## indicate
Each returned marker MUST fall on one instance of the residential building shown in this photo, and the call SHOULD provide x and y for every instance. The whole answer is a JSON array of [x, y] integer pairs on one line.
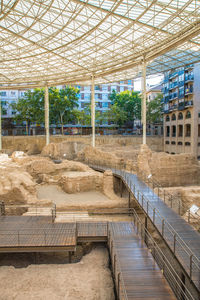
[[102, 93], [181, 97]]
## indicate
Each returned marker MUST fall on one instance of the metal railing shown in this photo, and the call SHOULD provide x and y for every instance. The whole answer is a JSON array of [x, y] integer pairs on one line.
[[181, 250], [169, 272], [171, 200], [21, 238]]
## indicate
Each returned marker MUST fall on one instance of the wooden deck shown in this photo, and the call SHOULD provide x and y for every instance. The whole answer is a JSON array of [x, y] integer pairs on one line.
[[39, 234], [182, 239], [137, 276]]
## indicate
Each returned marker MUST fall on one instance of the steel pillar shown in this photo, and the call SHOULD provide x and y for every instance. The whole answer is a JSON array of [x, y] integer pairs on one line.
[[93, 111], [144, 93], [47, 114]]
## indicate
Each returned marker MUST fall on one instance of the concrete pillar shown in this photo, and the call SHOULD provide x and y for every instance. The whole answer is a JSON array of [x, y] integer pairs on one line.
[[93, 111], [0, 125], [144, 95], [47, 114]]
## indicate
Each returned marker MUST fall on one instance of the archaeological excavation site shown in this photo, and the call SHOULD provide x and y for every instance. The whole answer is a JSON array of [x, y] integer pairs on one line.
[[107, 222], [99, 149]]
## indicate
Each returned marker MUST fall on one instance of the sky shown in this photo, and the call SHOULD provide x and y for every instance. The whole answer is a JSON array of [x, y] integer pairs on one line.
[[151, 80]]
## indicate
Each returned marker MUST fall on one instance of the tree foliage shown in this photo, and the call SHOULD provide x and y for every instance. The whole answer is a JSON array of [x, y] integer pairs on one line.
[[30, 107], [154, 110], [125, 107]]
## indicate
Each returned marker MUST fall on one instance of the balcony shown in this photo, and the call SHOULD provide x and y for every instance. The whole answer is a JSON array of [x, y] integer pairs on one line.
[[189, 91], [189, 103], [173, 96], [181, 106], [189, 77], [173, 107], [173, 85], [172, 75]]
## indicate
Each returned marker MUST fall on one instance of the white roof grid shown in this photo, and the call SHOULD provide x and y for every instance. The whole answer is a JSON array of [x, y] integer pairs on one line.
[[66, 41]]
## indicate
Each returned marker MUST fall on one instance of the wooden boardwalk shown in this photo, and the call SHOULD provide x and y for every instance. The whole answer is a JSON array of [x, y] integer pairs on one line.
[[182, 239], [39, 234], [137, 276]]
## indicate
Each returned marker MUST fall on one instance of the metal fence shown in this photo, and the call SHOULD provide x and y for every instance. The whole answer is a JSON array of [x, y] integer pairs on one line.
[[184, 254]]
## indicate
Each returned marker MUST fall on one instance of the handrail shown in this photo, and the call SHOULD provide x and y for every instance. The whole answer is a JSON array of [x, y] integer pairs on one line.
[[155, 184], [179, 288], [120, 278], [192, 263]]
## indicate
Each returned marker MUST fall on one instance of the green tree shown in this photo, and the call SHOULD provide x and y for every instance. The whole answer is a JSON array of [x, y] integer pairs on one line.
[[154, 110], [30, 108], [125, 107], [62, 103]]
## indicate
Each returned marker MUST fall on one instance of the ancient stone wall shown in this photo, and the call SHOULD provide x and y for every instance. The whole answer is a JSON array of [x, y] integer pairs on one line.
[[24, 143], [167, 169]]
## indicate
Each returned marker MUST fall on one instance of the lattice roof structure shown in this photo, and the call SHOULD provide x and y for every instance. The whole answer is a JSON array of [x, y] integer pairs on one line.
[[66, 41]]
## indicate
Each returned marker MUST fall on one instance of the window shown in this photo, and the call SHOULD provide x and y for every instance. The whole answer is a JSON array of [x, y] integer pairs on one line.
[[173, 131], [167, 118], [173, 117], [180, 116], [167, 142], [104, 96], [188, 130], [167, 131], [180, 143], [188, 115], [82, 96], [105, 104], [13, 93], [199, 130], [187, 143], [3, 94], [180, 130], [173, 143]]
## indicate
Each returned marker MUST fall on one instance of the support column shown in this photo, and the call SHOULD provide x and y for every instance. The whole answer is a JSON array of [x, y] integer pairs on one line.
[[47, 114], [144, 93], [93, 112], [0, 124]]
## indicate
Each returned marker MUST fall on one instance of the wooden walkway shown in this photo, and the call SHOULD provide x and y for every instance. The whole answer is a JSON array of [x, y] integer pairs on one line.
[[182, 239], [137, 276], [39, 234]]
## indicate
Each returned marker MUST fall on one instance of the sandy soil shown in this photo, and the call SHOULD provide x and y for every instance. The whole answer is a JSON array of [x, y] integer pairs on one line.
[[79, 200], [89, 279]]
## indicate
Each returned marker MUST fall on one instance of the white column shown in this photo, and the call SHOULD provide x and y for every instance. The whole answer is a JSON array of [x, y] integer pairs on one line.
[[0, 125], [144, 95], [93, 112], [46, 99]]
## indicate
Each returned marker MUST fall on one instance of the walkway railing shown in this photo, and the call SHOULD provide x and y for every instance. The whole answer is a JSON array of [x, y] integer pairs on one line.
[[186, 257], [171, 200], [175, 282]]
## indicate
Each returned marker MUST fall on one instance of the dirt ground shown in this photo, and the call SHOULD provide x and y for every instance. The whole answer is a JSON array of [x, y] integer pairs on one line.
[[89, 279], [81, 200]]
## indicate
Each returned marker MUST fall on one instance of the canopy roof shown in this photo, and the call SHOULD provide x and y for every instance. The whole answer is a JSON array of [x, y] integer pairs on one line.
[[58, 41]]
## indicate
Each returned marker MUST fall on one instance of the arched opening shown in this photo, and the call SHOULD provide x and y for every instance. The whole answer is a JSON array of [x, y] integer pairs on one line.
[[173, 117], [180, 116], [187, 130], [188, 115]]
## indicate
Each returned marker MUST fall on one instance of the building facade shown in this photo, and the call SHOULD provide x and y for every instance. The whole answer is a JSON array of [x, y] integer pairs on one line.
[[181, 97], [102, 93]]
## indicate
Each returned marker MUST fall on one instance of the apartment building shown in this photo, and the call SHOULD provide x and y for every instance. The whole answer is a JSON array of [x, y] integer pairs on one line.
[[102, 93], [181, 97]]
